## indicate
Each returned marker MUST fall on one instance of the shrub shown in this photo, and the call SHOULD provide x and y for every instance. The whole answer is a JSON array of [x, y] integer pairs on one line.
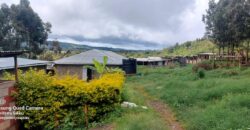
[[206, 65], [201, 73], [231, 73], [172, 65], [64, 97]]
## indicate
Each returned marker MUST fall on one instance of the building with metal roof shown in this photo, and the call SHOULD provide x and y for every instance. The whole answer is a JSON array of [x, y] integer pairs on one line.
[[151, 61], [14, 55], [206, 56], [8, 64], [86, 58], [74, 65]]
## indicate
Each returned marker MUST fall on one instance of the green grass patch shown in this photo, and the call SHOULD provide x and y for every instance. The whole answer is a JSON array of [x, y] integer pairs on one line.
[[140, 120], [137, 118], [134, 118], [218, 101]]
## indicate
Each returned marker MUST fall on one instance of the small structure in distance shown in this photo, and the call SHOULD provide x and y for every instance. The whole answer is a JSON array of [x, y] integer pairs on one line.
[[206, 56], [151, 61]]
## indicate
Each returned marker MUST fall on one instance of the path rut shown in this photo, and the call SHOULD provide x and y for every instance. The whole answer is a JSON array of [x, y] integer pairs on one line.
[[163, 110]]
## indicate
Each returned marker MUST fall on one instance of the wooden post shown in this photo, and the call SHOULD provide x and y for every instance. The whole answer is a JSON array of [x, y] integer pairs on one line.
[[16, 68], [56, 121], [86, 116]]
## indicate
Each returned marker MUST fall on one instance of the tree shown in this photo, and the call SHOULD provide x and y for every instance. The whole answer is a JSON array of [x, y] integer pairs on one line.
[[6, 35], [227, 23], [56, 47], [22, 27], [30, 26], [241, 23]]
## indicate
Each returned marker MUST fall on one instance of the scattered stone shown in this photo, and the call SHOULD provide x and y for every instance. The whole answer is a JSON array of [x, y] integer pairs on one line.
[[158, 87], [131, 105], [128, 105]]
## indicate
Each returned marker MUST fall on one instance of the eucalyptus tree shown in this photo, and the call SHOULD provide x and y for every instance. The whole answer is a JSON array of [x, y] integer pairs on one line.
[[227, 22], [21, 26], [241, 23], [30, 26], [5, 27]]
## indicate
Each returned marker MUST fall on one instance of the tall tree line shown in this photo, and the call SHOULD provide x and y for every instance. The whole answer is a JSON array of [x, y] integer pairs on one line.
[[228, 25], [22, 29]]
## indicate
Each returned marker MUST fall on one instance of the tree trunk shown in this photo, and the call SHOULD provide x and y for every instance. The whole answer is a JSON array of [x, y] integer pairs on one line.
[[17, 46], [247, 51], [219, 50], [213, 59], [228, 55], [233, 53], [223, 50], [239, 61]]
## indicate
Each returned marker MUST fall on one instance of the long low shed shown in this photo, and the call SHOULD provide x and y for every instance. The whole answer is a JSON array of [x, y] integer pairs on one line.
[[7, 64], [151, 61]]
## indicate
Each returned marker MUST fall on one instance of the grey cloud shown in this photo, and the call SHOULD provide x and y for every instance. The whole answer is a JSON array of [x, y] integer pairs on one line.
[[153, 14], [135, 23], [123, 42]]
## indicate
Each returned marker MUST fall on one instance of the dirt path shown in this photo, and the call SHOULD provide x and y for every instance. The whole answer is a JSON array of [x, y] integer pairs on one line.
[[163, 110], [166, 114]]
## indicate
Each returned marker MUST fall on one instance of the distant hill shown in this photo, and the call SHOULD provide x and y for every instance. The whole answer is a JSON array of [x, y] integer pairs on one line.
[[190, 48], [77, 47], [185, 49]]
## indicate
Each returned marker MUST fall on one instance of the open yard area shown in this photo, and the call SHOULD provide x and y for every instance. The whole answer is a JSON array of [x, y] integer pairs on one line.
[[219, 101], [125, 65]]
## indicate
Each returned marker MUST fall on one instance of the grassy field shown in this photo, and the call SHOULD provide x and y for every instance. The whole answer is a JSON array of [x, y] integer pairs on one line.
[[220, 101], [137, 118]]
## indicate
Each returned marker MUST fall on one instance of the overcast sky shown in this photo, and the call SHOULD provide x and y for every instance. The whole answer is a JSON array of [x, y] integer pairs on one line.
[[133, 24]]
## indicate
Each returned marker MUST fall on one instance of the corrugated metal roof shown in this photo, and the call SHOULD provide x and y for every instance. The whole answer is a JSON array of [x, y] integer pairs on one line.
[[86, 58], [11, 53], [207, 53], [8, 63], [149, 59]]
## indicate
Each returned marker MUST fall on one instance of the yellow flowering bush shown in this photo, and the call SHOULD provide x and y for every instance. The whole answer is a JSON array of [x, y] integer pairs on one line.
[[64, 97]]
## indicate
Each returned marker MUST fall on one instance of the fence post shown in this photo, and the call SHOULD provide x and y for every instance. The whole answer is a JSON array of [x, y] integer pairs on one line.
[[86, 116], [56, 121]]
